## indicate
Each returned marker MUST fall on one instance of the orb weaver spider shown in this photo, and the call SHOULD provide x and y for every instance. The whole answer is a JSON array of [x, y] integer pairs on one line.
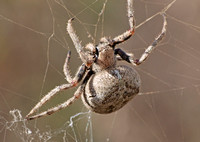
[[105, 87]]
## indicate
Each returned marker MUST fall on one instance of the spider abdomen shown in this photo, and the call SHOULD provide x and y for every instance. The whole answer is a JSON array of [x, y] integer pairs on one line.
[[109, 90]]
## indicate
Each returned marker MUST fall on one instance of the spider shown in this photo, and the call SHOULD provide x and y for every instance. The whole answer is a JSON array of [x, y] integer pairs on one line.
[[105, 87]]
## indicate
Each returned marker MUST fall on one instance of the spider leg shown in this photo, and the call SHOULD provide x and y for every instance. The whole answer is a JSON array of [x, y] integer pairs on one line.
[[150, 48], [59, 107], [126, 35], [73, 36], [79, 75], [124, 56], [66, 68], [76, 96], [127, 56], [85, 57]]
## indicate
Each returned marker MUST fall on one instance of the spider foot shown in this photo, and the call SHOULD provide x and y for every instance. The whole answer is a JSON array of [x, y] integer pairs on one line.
[[71, 19]]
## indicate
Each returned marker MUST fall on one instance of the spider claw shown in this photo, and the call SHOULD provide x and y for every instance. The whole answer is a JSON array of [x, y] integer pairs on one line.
[[71, 19], [27, 117], [68, 54]]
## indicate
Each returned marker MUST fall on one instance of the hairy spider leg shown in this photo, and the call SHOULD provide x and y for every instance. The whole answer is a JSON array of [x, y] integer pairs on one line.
[[125, 56], [126, 35], [76, 96], [73, 36], [59, 107], [48, 97], [85, 57], [66, 70], [150, 48], [78, 77]]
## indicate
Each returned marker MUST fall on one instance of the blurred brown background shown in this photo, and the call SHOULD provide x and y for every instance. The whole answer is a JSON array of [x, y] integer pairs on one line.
[[33, 47]]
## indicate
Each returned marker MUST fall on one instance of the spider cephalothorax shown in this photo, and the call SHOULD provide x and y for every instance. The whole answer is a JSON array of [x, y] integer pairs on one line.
[[105, 86], [105, 55]]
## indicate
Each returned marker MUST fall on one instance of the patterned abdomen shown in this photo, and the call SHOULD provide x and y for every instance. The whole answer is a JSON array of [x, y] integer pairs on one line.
[[110, 89]]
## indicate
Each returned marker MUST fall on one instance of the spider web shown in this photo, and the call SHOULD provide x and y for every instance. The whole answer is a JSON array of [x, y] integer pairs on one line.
[[33, 47]]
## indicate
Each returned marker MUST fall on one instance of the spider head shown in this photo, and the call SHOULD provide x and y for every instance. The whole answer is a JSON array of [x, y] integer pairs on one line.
[[105, 54]]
